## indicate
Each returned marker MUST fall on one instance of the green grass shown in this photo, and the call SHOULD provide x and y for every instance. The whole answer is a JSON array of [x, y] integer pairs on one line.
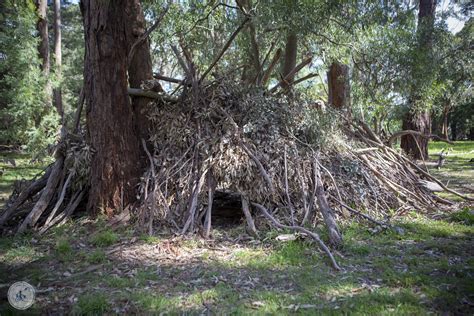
[[23, 169], [458, 171], [104, 238], [464, 148], [91, 304], [465, 216], [426, 269], [64, 249], [97, 256]]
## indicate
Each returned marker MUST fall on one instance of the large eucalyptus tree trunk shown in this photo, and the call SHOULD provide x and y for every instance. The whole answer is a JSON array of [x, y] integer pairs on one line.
[[110, 120], [418, 117]]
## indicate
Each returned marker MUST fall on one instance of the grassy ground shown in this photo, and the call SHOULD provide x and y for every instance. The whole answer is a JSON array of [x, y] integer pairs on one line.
[[425, 267], [458, 170], [15, 166]]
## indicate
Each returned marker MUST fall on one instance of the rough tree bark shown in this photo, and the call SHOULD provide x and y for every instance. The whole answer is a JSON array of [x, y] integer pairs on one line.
[[139, 66], [289, 61], [339, 88], [43, 52], [42, 28], [418, 117], [57, 96], [109, 116]]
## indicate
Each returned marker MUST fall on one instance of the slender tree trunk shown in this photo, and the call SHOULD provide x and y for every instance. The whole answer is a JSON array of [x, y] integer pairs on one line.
[[139, 64], [42, 28], [58, 102], [454, 134], [444, 123], [111, 128], [139, 70], [253, 71], [339, 88], [418, 118], [289, 61], [43, 52]]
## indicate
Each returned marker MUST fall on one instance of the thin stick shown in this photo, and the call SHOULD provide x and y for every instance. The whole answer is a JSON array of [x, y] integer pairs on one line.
[[60, 200], [288, 199], [259, 165], [291, 74], [77, 116], [367, 217], [181, 62], [168, 79], [312, 75], [151, 95], [313, 235], [270, 67], [210, 199], [224, 49], [153, 175], [248, 216], [146, 34]]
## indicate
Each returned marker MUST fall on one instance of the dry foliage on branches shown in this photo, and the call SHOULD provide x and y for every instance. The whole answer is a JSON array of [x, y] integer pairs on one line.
[[300, 165]]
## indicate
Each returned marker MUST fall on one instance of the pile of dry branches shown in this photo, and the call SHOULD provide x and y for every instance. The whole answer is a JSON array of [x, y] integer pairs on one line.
[[226, 138], [264, 148], [52, 198]]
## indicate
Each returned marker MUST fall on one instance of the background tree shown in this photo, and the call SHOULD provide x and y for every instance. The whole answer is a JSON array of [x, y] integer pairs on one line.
[[423, 71], [57, 95]]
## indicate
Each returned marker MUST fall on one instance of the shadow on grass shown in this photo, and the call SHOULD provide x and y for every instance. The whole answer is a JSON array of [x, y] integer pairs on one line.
[[427, 269]]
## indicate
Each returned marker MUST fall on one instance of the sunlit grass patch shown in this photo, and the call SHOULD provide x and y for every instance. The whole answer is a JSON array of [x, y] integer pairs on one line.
[[150, 239], [18, 252], [91, 304], [16, 166], [464, 216], [154, 303], [459, 147]]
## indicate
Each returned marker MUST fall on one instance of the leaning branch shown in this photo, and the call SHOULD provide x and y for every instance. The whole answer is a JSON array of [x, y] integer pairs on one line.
[[168, 79], [291, 74], [224, 49], [150, 94], [315, 236], [146, 34], [415, 133]]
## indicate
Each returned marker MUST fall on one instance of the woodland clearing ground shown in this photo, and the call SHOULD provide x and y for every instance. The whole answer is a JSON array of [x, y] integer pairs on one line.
[[84, 268]]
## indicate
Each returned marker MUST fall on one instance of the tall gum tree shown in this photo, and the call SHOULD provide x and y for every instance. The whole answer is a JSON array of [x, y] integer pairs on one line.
[[418, 117], [111, 128], [57, 94]]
